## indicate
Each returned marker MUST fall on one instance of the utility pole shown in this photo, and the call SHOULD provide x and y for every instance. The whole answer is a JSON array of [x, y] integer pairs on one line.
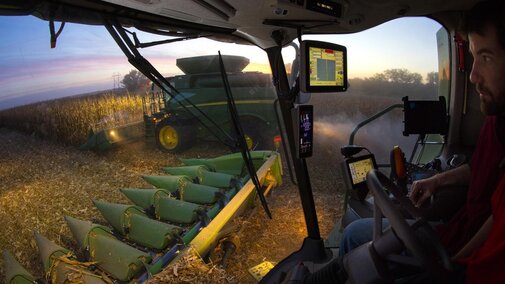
[[115, 77]]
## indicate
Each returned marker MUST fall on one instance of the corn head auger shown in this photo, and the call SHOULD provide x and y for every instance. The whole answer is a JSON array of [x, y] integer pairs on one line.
[[187, 209]]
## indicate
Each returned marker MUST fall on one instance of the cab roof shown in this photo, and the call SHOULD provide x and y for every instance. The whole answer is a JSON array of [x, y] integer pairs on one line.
[[251, 21]]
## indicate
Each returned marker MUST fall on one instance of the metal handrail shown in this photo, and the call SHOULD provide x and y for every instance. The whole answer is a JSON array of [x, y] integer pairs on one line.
[[370, 119]]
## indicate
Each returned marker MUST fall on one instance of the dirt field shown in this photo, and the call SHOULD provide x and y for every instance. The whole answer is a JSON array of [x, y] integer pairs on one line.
[[42, 181]]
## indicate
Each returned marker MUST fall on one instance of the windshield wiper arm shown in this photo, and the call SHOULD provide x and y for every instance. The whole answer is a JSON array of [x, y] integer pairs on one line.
[[246, 155], [139, 44], [145, 67]]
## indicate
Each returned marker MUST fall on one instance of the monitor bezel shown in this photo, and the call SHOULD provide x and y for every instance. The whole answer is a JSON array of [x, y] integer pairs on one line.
[[305, 65]]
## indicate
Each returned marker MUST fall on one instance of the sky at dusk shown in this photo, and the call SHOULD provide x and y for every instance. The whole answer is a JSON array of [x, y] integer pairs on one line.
[[86, 57]]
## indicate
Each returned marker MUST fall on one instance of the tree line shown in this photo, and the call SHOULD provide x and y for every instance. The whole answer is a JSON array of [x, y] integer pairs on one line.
[[135, 80], [404, 76]]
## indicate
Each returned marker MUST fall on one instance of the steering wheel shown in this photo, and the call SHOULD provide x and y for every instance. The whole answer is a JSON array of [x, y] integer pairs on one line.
[[424, 251]]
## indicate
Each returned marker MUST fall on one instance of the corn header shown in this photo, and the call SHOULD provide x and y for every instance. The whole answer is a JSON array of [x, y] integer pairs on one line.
[[188, 208]]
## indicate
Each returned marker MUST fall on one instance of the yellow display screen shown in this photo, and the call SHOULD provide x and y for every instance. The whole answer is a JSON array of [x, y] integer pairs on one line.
[[359, 169], [326, 67]]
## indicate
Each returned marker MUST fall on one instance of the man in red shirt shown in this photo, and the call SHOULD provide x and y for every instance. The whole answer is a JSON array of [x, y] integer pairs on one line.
[[486, 34], [484, 254]]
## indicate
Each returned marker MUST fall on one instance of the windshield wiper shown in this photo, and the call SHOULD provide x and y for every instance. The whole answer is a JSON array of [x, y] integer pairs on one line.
[[143, 65], [246, 155]]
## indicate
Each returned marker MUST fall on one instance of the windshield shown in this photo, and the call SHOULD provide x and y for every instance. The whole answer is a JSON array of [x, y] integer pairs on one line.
[[385, 64], [86, 59], [78, 123]]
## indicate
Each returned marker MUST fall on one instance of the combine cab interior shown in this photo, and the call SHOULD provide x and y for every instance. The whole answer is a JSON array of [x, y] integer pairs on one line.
[[442, 127]]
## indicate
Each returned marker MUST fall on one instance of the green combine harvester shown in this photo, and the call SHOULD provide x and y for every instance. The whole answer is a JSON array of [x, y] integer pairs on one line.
[[187, 208], [197, 109]]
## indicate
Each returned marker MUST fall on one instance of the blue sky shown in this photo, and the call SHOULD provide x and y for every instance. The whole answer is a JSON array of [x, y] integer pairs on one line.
[[86, 57]]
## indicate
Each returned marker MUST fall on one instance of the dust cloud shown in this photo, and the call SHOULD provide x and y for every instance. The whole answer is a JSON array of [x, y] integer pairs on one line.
[[379, 136]]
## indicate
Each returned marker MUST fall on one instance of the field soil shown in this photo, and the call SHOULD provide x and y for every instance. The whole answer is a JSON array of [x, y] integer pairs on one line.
[[42, 181]]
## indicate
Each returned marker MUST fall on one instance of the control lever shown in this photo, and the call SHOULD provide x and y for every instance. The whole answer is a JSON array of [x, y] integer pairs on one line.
[[398, 168]]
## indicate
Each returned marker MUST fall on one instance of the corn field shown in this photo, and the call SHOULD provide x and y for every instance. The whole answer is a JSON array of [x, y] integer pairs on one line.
[[69, 120]]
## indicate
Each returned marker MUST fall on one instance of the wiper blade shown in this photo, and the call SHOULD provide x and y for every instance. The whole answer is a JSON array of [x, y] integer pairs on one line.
[[246, 155], [143, 65]]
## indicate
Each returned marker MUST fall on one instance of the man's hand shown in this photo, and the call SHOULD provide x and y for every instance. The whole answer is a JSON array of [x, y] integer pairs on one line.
[[422, 190]]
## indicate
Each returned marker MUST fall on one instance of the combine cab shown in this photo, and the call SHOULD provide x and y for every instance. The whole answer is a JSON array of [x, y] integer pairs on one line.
[[196, 201], [197, 108]]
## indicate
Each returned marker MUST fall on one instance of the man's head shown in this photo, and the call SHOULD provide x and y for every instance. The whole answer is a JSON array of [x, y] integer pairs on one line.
[[485, 26]]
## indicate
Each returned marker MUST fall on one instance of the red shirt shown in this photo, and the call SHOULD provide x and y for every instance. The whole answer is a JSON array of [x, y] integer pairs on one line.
[[485, 174], [486, 265]]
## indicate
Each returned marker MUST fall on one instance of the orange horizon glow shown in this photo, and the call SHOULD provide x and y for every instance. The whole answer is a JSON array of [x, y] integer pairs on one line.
[[258, 67]]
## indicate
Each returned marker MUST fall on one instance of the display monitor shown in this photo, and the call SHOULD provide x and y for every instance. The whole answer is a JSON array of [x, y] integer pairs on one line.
[[358, 168], [425, 117], [304, 123], [355, 170], [323, 67]]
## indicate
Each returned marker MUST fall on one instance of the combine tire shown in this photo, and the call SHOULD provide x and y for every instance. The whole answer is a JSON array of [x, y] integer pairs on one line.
[[173, 137], [257, 135]]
